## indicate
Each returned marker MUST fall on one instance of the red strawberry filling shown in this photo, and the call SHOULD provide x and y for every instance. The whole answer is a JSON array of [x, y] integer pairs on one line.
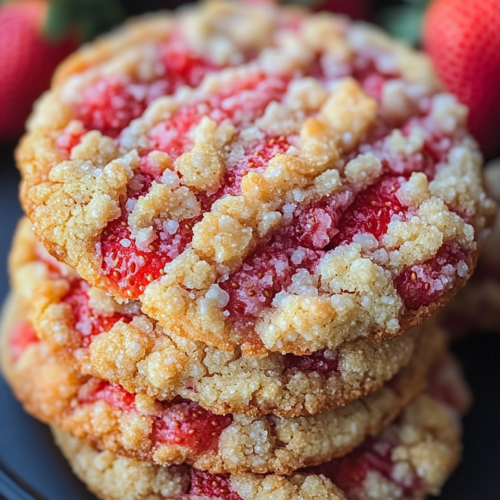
[[324, 362], [111, 103], [422, 284], [22, 336], [374, 456], [371, 212], [241, 103], [69, 138], [112, 394], [203, 484], [86, 321], [178, 422], [185, 423], [131, 269]]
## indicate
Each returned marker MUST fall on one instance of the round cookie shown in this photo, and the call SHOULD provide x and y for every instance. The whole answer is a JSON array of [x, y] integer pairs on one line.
[[411, 458], [475, 307], [90, 328], [258, 177], [180, 431]]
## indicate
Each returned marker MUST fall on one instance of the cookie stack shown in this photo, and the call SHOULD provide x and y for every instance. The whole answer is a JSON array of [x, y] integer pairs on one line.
[[241, 219]]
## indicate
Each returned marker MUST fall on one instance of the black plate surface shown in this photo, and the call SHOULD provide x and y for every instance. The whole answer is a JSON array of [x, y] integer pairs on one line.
[[31, 467]]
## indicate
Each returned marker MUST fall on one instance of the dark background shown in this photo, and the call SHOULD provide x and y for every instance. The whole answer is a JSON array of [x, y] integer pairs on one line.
[[28, 454]]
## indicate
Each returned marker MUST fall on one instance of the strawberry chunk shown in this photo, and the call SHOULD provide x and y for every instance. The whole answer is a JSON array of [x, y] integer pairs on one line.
[[422, 284], [112, 394], [182, 67], [23, 335], [131, 269], [371, 211], [204, 484], [185, 423], [86, 321], [110, 104], [266, 272], [324, 362], [373, 456]]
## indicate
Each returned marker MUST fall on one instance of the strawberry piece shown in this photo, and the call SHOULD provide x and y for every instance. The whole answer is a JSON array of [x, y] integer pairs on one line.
[[374, 455], [207, 485], [110, 104], [23, 335], [27, 61], [371, 211], [324, 362], [112, 394], [86, 321], [422, 284], [265, 272], [185, 423], [69, 138], [131, 269], [245, 101], [182, 67], [463, 40]]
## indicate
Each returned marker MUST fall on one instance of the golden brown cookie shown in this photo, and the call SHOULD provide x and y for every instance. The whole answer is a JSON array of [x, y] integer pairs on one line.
[[258, 177], [118, 343], [180, 431], [408, 460]]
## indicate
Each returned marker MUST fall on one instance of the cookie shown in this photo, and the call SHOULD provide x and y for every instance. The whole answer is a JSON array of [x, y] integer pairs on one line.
[[408, 460], [475, 308], [257, 177], [90, 328], [181, 431]]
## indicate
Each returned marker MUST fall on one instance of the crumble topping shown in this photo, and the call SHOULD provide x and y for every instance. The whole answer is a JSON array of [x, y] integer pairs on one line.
[[253, 153]]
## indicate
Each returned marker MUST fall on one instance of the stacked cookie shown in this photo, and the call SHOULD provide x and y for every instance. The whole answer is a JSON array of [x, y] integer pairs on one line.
[[240, 222]]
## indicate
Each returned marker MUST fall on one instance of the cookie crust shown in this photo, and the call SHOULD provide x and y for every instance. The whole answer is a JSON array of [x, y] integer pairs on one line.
[[107, 417], [337, 148], [164, 365]]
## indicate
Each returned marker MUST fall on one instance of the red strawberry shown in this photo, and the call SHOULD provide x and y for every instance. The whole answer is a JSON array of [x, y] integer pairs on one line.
[[463, 39], [27, 61]]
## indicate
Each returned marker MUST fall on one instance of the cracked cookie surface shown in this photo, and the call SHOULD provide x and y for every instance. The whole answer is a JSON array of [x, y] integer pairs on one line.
[[258, 177], [410, 459], [118, 343], [181, 431]]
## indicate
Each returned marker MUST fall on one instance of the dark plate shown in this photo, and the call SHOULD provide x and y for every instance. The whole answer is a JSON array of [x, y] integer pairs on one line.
[[31, 467]]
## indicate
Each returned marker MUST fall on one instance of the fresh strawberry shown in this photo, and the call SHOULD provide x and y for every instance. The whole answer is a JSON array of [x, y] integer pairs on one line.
[[463, 39], [27, 61]]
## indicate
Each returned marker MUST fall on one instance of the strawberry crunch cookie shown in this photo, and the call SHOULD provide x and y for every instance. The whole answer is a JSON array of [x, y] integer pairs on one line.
[[118, 343], [408, 460], [257, 177], [179, 430]]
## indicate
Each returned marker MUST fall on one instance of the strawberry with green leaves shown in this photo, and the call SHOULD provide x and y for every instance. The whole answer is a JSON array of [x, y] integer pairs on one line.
[[35, 36], [463, 39]]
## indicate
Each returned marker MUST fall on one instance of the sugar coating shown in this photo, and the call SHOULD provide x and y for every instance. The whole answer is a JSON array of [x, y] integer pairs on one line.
[[428, 448], [122, 423], [140, 355], [221, 156]]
